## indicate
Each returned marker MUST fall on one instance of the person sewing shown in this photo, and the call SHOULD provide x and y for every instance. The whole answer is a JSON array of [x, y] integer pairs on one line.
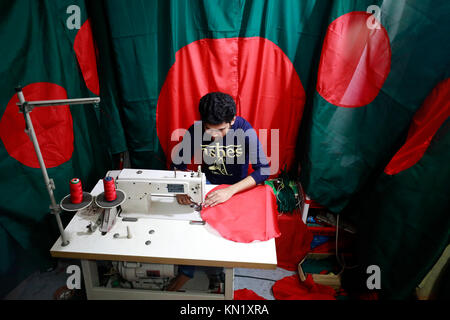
[[228, 146]]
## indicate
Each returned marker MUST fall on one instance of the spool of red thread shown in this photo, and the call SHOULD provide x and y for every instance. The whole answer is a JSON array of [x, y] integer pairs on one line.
[[110, 189], [76, 191]]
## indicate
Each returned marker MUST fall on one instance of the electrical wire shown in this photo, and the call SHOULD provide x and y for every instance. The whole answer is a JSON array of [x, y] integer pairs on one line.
[[342, 264], [242, 276], [280, 186], [301, 200]]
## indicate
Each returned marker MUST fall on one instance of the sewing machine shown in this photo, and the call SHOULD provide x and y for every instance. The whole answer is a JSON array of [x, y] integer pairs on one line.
[[144, 189], [152, 193]]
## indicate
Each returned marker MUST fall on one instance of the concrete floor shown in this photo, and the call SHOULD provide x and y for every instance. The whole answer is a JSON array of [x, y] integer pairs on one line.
[[42, 285]]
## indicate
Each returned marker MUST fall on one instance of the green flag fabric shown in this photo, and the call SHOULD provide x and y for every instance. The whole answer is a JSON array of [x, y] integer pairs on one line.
[[346, 142], [403, 216], [39, 53], [402, 220], [154, 41], [404, 223]]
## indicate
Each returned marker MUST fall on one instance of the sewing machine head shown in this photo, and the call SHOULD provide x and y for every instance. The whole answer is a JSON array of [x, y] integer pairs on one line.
[[141, 185]]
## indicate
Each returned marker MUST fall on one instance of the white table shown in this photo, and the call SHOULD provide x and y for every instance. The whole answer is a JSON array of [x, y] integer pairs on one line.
[[173, 242]]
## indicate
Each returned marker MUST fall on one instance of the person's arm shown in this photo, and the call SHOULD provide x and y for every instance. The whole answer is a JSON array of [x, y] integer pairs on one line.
[[258, 159], [222, 195]]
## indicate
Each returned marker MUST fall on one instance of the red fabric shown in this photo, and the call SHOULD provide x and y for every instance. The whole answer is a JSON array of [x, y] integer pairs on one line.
[[53, 127], [427, 120], [85, 51], [342, 292], [241, 220], [313, 204], [368, 296], [355, 61], [345, 239], [291, 288], [323, 231], [246, 294], [294, 243], [254, 71], [327, 247]]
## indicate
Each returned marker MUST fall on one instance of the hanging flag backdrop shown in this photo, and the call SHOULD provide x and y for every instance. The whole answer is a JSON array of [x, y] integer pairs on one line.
[[42, 54], [231, 65], [408, 204], [184, 49], [373, 75], [373, 81], [345, 86]]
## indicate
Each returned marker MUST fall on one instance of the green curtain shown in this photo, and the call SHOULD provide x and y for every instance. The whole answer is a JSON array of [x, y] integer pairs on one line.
[[403, 222], [146, 35], [343, 148], [38, 50]]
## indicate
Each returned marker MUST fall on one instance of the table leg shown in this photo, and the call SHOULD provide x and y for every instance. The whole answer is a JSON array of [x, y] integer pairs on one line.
[[229, 286], [90, 275]]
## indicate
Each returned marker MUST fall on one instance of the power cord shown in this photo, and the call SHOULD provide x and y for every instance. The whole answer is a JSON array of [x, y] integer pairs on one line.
[[341, 263], [242, 276]]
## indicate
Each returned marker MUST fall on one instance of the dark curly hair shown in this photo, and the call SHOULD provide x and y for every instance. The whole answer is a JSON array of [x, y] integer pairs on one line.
[[217, 108]]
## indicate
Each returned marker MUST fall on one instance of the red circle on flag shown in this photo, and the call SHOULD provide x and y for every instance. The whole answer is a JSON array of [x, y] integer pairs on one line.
[[355, 60], [426, 122], [254, 71], [53, 127], [85, 51]]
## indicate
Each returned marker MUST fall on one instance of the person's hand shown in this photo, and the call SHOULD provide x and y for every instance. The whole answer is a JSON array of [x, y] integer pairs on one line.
[[183, 199], [218, 196]]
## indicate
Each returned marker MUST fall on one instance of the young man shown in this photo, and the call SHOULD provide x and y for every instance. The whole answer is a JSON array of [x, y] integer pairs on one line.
[[228, 146]]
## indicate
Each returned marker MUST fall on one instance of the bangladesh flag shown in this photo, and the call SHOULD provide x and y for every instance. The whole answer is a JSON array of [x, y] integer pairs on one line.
[[376, 88], [170, 53], [373, 75], [48, 49], [404, 222]]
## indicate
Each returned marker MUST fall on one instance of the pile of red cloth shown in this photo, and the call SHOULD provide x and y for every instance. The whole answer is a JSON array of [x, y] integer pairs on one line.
[[291, 288], [295, 240], [247, 294], [241, 220]]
